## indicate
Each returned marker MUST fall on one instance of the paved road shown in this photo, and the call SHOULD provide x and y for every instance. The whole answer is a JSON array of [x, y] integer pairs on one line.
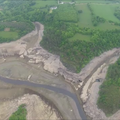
[[53, 88]]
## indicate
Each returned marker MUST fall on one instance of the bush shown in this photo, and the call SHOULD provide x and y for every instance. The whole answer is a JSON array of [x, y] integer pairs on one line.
[[20, 114]]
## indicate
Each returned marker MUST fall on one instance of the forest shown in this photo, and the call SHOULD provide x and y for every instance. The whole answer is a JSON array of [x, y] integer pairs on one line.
[[109, 95]]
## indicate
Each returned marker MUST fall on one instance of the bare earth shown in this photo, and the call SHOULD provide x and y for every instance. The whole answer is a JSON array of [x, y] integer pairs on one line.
[[36, 108]]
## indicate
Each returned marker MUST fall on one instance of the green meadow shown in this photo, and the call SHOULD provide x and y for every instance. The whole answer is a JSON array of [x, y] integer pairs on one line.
[[8, 34]]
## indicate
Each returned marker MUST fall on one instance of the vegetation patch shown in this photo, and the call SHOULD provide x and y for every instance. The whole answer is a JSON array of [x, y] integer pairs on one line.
[[20, 114], [79, 36], [109, 95], [66, 13]]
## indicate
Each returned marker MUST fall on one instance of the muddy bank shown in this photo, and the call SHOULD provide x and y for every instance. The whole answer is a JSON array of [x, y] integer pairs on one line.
[[90, 93], [9, 68]]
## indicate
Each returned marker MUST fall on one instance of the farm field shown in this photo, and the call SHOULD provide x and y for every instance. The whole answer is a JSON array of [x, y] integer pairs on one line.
[[108, 9], [85, 16]]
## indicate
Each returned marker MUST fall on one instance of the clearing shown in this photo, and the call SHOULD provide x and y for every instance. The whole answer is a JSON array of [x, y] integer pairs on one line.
[[80, 37]]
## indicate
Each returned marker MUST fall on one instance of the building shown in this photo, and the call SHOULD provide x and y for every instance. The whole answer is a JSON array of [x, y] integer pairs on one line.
[[71, 2], [53, 8]]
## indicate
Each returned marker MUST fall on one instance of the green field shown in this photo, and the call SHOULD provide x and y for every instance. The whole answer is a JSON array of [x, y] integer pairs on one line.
[[105, 10], [5, 34], [85, 16], [66, 13], [40, 4], [80, 37]]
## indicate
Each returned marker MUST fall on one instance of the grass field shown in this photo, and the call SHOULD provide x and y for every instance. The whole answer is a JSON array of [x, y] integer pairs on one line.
[[6, 34], [85, 16], [44, 3], [108, 9], [80, 37]]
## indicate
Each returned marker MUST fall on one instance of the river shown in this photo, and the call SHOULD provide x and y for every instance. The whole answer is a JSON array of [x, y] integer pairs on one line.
[[53, 88]]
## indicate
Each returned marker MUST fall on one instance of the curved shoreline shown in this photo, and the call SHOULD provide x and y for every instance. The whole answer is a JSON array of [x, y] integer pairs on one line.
[[53, 88]]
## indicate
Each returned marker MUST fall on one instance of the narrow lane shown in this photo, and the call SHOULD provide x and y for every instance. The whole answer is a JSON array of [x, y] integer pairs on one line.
[[53, 88]]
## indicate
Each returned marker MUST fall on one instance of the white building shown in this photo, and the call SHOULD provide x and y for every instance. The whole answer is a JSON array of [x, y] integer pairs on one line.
[[53, 8]]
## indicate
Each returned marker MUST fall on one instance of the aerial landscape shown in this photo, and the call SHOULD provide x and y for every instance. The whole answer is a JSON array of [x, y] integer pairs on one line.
[[59, 59]]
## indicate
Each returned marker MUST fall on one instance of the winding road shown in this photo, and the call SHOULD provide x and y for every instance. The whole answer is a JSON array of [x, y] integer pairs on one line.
[[53, 88]]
